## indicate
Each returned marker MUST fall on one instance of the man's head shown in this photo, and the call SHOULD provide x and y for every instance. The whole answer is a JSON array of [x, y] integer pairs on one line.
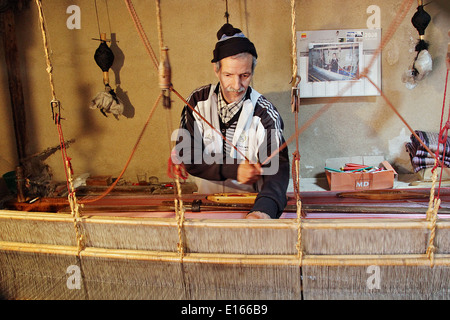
[[234, 62], [235, 74]]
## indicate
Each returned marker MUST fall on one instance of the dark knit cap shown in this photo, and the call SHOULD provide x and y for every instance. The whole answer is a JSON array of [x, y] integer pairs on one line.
[[231, 42]]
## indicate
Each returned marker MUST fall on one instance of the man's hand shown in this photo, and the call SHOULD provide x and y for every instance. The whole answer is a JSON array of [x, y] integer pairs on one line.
[[257, 215], [248, 173]]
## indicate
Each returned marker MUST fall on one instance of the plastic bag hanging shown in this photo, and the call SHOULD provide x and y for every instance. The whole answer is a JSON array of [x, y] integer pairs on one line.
[[423, 63], [107, 100]]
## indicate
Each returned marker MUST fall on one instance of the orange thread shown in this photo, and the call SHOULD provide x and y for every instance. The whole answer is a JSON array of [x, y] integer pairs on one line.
[[129, 158]]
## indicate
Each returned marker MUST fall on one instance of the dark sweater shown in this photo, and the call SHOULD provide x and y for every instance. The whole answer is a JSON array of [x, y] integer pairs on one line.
[[271, 197]]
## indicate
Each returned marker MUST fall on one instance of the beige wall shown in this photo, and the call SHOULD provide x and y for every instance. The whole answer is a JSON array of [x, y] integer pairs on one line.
[[353, 126]]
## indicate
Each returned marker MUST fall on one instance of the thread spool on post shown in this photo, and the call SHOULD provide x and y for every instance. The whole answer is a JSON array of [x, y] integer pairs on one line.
[[165, 74]]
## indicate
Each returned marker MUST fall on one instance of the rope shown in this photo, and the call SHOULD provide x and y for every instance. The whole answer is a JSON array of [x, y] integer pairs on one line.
[[295, 173], [295, 76], [141, 32], [389, 103], [177, 171], [133, 151], [96, 15], [227, 15], [146, 43], [74, 206], [443, 134], [98, 19], [152, 55], [434, 203], [431, 215], [431, 202], [144, 39], [178, 202], [76, 220], [46, 49], [405, 6], [209, 124], [431, 247], [159, 25], [400, 16], [296, 178], [179, 211], [295, 105]]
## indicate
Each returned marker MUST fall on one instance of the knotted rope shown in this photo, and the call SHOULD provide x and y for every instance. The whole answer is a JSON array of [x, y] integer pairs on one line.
[[178, 170], [295, 105], [166, 84], [141, 32], [133, 151], [56, 112], [46, 48], [431, 215], [295, 76], [434, 203], [404, 8]]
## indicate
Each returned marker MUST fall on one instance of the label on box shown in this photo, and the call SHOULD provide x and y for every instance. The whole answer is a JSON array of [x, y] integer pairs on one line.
[[362, 184]]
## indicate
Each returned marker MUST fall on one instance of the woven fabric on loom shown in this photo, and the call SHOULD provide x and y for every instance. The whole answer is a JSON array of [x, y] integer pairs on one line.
[[421, 158]]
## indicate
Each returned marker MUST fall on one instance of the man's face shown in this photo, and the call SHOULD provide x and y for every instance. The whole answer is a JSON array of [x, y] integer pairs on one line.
[[235, 75]]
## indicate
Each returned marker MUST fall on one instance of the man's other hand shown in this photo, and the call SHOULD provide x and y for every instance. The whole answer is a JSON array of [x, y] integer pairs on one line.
[[248, 173], [257, 215]]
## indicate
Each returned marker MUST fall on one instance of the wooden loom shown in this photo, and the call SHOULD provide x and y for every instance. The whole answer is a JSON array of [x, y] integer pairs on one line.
[[130, 252]]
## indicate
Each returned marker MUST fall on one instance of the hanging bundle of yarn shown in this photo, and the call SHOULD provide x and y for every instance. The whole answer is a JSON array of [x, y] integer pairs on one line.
[[104, 57], [420, 21], [107, 101], [422, 64]]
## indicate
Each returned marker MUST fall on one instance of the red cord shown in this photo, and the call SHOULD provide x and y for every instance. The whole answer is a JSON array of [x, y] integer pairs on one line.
[[443, 134], [66, 159]]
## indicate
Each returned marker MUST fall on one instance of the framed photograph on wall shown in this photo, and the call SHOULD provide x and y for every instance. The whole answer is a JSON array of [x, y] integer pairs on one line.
[[330, 62]]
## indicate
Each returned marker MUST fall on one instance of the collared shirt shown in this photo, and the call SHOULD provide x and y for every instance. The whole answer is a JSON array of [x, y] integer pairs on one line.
[[227, 111]]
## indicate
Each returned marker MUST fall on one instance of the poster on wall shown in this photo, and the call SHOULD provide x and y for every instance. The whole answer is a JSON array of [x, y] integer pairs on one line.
[[330, 62]]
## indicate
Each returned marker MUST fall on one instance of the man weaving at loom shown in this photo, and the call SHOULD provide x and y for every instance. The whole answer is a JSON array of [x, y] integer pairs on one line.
[[250, 131]]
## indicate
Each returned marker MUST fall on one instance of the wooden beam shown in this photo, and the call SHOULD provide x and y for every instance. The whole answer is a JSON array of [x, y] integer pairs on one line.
[[7, 25]]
